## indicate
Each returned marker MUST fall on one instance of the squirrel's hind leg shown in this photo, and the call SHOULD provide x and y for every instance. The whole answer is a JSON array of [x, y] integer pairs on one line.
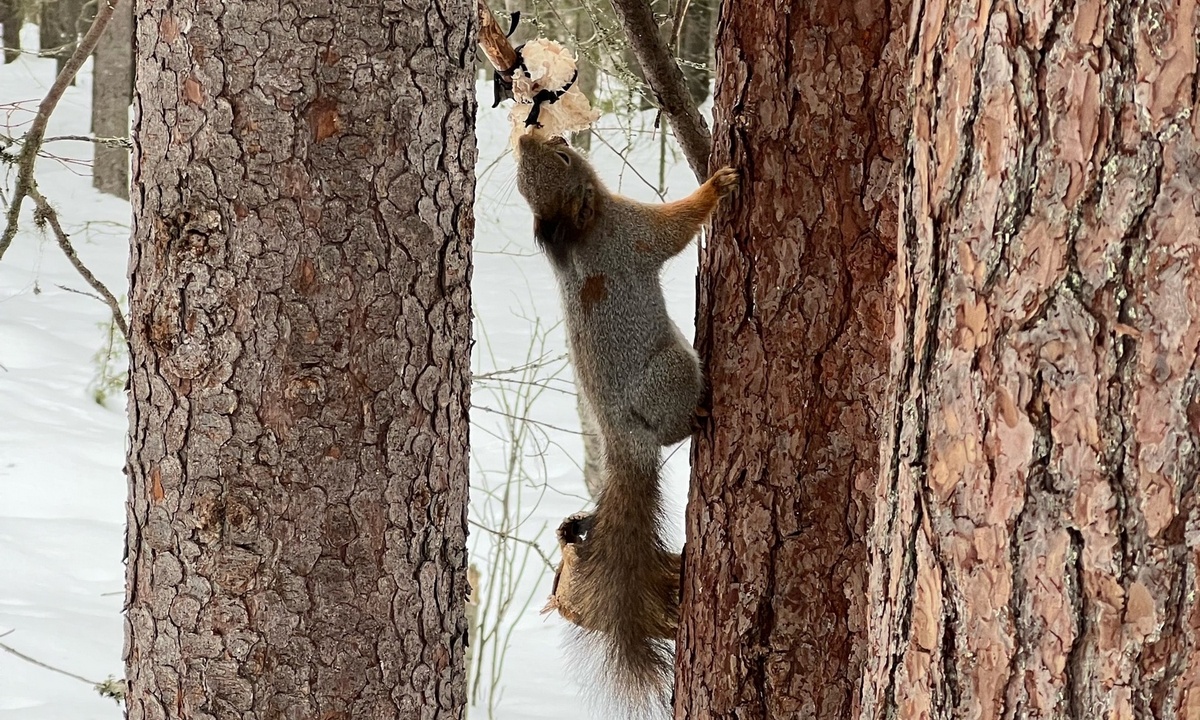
[[665, 396]]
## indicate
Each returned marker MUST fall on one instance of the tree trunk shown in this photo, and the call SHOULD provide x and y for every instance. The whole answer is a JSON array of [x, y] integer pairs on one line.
[[112, 92], [11, 18], [696, 48], [300, 332], [50, 35], [58, 29], [793, 328], [1037, 535]]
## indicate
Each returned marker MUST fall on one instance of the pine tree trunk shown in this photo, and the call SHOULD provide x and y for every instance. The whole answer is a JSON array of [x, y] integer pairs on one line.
[[11, 18], [112, 92], [1036, 543], [793, 328], [300, 360]]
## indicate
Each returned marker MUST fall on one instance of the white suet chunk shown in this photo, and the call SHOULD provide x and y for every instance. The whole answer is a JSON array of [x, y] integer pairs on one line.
[[548, 66]]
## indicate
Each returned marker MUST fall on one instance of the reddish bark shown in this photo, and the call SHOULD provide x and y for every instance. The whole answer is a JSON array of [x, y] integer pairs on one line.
[[1037, 538], [793, 325]]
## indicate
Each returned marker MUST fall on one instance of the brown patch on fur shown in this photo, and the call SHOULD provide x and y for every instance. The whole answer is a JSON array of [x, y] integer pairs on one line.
[[594, 291]]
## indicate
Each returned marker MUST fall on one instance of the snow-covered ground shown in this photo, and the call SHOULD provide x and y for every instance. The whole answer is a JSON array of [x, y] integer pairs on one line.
[[62, 488]]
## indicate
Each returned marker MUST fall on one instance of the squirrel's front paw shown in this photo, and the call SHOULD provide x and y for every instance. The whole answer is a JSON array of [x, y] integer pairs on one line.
[[725, 181]]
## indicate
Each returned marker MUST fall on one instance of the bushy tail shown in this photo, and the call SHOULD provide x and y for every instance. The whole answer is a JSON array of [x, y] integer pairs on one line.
[[628, 581]]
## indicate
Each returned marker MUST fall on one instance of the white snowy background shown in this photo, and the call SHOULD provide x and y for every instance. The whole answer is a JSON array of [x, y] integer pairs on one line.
[[62, 488]]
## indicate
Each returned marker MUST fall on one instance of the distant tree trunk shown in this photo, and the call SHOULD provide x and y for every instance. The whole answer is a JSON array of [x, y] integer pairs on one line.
[[112, 92], [50, 35], [58, 29], [696, 47], [793, 327], [1036, 544], [11, 18], [300, 360]]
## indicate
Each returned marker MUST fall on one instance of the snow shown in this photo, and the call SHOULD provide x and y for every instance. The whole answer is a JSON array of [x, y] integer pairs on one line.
[[62, 488]]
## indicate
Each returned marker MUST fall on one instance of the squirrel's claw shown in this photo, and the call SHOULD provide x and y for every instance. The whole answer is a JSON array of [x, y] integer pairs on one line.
[[725, 181]]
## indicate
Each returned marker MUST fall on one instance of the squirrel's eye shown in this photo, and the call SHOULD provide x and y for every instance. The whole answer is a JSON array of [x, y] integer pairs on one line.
[[564, 157]]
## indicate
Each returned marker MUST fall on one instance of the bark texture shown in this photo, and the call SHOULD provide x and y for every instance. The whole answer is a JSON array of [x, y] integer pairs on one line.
[[1037, 535], [112, 92], [793, 328], [300, 332]]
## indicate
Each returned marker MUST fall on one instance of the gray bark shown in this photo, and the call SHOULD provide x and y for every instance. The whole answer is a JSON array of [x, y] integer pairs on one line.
[[112, 92], [58, 29], [696, 46], [299, 359]]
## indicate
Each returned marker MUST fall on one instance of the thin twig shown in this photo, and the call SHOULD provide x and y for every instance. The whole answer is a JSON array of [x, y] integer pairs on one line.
[[64, 288], [32, 142], [536, 364], [680, 13], [505, 536], [667, 82], [47, 213], [41, 664], [501, 413], [115, 142]]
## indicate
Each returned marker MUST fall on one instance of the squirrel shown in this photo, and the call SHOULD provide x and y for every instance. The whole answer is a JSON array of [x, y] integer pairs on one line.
[[641, 383]]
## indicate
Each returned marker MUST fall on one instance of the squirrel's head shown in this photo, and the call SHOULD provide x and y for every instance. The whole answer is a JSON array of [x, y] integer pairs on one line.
[[560, 187]]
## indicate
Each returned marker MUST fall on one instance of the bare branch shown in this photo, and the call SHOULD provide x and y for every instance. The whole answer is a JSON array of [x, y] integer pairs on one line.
[[46, 212], [32, 142], [117, 142], [41, 664], [73, 291], [501, 413], [667, 82], [494, 42]]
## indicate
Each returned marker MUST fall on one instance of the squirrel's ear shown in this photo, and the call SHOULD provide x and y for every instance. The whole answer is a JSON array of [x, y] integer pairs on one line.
[[587, 207]]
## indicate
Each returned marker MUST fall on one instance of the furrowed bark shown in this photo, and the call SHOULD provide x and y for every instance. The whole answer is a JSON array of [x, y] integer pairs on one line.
[[1035, 551], [793, 331], [300, 371]]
